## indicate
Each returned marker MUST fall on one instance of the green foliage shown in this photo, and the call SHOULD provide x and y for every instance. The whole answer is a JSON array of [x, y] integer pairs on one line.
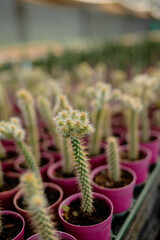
[[74, 125], [113, 159], [26, 104]]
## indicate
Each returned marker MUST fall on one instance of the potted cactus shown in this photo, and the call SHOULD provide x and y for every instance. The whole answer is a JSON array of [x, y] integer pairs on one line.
[[114, 181], [133, 155], [101, 95], [149, 139], [84, 206], [12, 225], [31, 184]]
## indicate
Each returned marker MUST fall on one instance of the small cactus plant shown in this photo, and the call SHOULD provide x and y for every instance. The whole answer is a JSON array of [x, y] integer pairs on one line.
[[26, 103], [12, 130], [37, 204], [74, 125], [5, 109], [101, 95], [147, 86], [134, 107], [113, 159]]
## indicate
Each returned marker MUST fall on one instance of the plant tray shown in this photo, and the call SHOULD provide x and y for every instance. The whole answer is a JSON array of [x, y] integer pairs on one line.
[[142, 221]]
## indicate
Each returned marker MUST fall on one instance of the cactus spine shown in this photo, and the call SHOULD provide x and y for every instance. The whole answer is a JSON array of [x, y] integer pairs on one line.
[[26, 103], [37, 203], [73, 125], [113, 159]]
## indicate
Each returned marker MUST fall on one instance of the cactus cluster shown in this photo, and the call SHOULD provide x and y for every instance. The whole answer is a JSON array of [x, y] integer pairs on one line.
[[74, 125]]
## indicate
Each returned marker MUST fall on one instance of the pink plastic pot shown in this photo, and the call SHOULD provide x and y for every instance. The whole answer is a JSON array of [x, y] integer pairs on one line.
[[62, 235], [43, 169], [47, 147], [6, 197], [69, 185], [20, 235], [153, 146], [8, 165], [100, 231], [140, 167], [25, 213], [120, 197]]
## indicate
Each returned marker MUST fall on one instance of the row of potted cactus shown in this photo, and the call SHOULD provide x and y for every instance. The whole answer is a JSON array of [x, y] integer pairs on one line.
[[59, 150]]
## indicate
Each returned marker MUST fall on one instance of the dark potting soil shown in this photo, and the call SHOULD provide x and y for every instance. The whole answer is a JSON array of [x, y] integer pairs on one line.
[[10, 155], [9, 183], [11, 227], [58, 173], [43, 162], [102, 179], [51, 195], [124, 156], [75, 216], [53, 148]]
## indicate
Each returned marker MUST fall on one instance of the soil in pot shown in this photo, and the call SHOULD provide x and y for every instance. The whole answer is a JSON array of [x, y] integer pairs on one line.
[[76, 217], [59, 174], [11, 227], [124, 156], [9, 183], [9, 155], [102, 179], [51, 195]]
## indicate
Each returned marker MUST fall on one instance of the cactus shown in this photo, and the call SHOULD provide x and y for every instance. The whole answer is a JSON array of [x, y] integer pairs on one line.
[[101, 95], [2, 151], [37, 204], [147, 86], [74, 125], [45, 109], [67, 166], [26, 103], [13, 130], [113, 159], [5, 109], [1, 176], [134, 107]]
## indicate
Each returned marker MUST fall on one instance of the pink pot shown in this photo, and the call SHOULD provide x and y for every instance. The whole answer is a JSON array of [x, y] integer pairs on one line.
[[62, 235], [120, 197], [100, 231], [8, 165], [69, 185], [153, 146], [25, 213], [43, 169], [7, 143], [6, 197], [140, 167], [20, 235], [46, 147]]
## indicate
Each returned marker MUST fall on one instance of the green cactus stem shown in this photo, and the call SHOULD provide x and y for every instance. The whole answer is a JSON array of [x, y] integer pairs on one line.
[[37, 203], [134, 107], [5, 109], [2, 151], [74, 125], [1, 176], [113, 159], [12, 130], [26, 103], [107, 125]]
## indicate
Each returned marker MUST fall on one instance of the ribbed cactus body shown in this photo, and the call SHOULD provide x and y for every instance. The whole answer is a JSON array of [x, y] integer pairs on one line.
[[26, 104], [107, 126], [133, 135], [67, 165], [82, 172], [113, 159]]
